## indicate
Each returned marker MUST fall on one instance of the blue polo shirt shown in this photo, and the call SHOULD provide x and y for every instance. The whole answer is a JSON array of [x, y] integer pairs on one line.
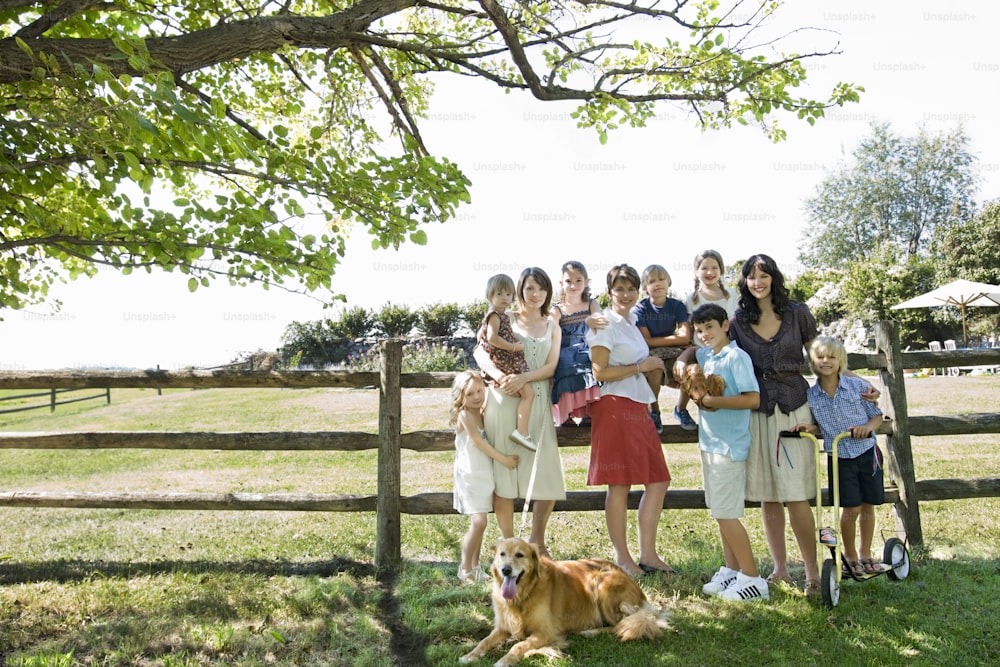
[[727, 431], [838, 413], [660, 321]]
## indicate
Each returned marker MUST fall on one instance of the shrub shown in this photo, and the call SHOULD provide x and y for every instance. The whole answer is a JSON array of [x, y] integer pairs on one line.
[[356, 322], [395, 321], [474, 313], [315, 344], [440, 320], [418, 357]]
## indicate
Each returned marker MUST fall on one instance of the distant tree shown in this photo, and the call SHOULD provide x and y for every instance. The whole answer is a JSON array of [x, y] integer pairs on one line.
[[355, 322], [821, 292], [316, 344], [395, 321], [896, 191], [474, 313], [870, 287], [439, 319], [218, 138], [971, 250]]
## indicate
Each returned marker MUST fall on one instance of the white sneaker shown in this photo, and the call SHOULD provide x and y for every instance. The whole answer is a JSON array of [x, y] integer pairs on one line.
[[746, 589], [721, 580], [524, 440]]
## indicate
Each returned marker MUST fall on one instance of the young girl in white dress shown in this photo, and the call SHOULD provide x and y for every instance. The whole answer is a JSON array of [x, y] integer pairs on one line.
[[474, 484]]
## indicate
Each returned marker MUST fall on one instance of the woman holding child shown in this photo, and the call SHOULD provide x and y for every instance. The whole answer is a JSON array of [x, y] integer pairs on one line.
[[774, 331], [542, 481]]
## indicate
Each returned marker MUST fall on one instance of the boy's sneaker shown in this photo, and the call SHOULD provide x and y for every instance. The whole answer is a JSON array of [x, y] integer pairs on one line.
[[656, 421], [524, 440], [721, 580], [684, 417], [746, 589]]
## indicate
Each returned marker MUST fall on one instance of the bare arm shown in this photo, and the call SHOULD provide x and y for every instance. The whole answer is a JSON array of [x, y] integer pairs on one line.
[[748, 400], [493, 335], [600, 358], [679, 338], [481, 443], [868, 428], [513, 383]]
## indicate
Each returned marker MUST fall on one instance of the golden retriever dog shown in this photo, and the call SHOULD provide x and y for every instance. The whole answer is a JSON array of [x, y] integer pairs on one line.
[[538, 602], [698, 385]]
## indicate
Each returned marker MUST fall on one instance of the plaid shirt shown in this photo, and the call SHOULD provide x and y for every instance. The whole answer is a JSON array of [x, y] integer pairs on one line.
[[839, 413]]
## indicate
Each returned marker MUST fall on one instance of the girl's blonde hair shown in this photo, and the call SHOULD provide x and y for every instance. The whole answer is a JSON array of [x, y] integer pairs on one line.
[[500, 281], [698, 259], [459, 386], [654, 272], [828, 346]]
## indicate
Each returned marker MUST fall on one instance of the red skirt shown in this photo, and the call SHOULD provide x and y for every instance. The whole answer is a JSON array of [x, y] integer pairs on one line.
[[624, 445]]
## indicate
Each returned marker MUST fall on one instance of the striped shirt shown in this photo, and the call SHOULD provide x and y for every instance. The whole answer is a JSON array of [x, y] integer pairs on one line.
[[838, 413]]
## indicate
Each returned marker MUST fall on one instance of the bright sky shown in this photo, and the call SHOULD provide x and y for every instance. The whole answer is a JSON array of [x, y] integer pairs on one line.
[[545, 192]]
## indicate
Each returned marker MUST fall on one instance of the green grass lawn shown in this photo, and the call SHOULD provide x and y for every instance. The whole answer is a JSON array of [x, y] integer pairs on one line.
[[143, 587]]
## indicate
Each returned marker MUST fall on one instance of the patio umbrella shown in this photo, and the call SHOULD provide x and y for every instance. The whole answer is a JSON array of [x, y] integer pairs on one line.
[[959, 293]]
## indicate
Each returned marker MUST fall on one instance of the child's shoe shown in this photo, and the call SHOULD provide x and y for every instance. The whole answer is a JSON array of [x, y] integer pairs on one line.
[[656, 421], [524, 440], [746, 589], [685, 419], [721, 580]]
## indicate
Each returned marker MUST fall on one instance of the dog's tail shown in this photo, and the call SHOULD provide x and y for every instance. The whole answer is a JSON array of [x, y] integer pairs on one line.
[[644, 622]]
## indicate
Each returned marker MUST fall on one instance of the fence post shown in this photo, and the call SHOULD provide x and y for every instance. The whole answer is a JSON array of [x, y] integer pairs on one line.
[[52, 400], [900, 454], [387, 532]]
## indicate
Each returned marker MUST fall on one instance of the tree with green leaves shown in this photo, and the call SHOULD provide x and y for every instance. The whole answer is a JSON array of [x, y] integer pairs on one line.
[[896, 191], [239, 140], [971, 249]]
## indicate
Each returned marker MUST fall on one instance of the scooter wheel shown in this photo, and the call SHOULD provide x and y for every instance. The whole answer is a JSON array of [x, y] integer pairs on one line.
[[830, 587], [897, 558]]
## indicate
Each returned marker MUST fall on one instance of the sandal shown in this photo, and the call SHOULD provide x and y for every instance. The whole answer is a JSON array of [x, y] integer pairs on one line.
[[773, 578], [870, 566], [853, 568], [812, 588]]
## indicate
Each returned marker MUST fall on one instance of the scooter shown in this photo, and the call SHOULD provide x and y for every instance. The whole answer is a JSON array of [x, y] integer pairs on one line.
[[895, 557]]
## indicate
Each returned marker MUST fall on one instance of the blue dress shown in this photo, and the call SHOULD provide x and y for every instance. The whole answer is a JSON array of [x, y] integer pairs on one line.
[[574, 387]]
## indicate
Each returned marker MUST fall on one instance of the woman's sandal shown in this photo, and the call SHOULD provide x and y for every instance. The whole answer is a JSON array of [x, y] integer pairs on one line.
[[812, 588]]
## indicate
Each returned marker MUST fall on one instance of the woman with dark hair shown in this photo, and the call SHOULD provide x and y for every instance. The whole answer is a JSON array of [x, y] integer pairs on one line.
[[541, 481], [625, 447], [775, 331]]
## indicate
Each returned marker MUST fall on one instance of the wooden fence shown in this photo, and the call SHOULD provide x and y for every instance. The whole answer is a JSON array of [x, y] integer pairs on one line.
[[53, 396], [387, 502]]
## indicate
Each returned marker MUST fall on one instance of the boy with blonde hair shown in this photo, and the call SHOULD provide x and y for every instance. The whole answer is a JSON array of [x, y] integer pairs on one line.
[[664, 324], [837, 406]]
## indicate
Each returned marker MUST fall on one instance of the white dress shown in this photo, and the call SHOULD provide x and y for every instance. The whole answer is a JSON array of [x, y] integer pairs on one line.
[[500, 419], [473, 476]]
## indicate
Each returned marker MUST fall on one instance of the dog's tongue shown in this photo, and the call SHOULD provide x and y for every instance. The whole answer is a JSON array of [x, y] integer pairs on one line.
[[509, 588]]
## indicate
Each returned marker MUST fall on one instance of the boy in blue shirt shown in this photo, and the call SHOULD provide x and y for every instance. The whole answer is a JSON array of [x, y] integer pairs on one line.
[[837, 406], [724, 441], [663, 322]]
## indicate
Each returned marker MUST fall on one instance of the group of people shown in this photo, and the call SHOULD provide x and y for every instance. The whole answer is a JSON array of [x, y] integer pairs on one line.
[[573, 363]]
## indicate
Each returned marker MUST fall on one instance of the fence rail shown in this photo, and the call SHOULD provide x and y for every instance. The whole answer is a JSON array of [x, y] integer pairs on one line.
[[53, 401], [387, 502]]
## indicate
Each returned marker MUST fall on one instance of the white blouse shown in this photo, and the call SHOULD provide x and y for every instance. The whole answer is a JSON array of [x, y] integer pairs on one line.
[[626, 345]]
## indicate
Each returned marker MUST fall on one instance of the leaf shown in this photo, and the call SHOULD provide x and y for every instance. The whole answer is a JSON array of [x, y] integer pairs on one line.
[[192, 284]]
